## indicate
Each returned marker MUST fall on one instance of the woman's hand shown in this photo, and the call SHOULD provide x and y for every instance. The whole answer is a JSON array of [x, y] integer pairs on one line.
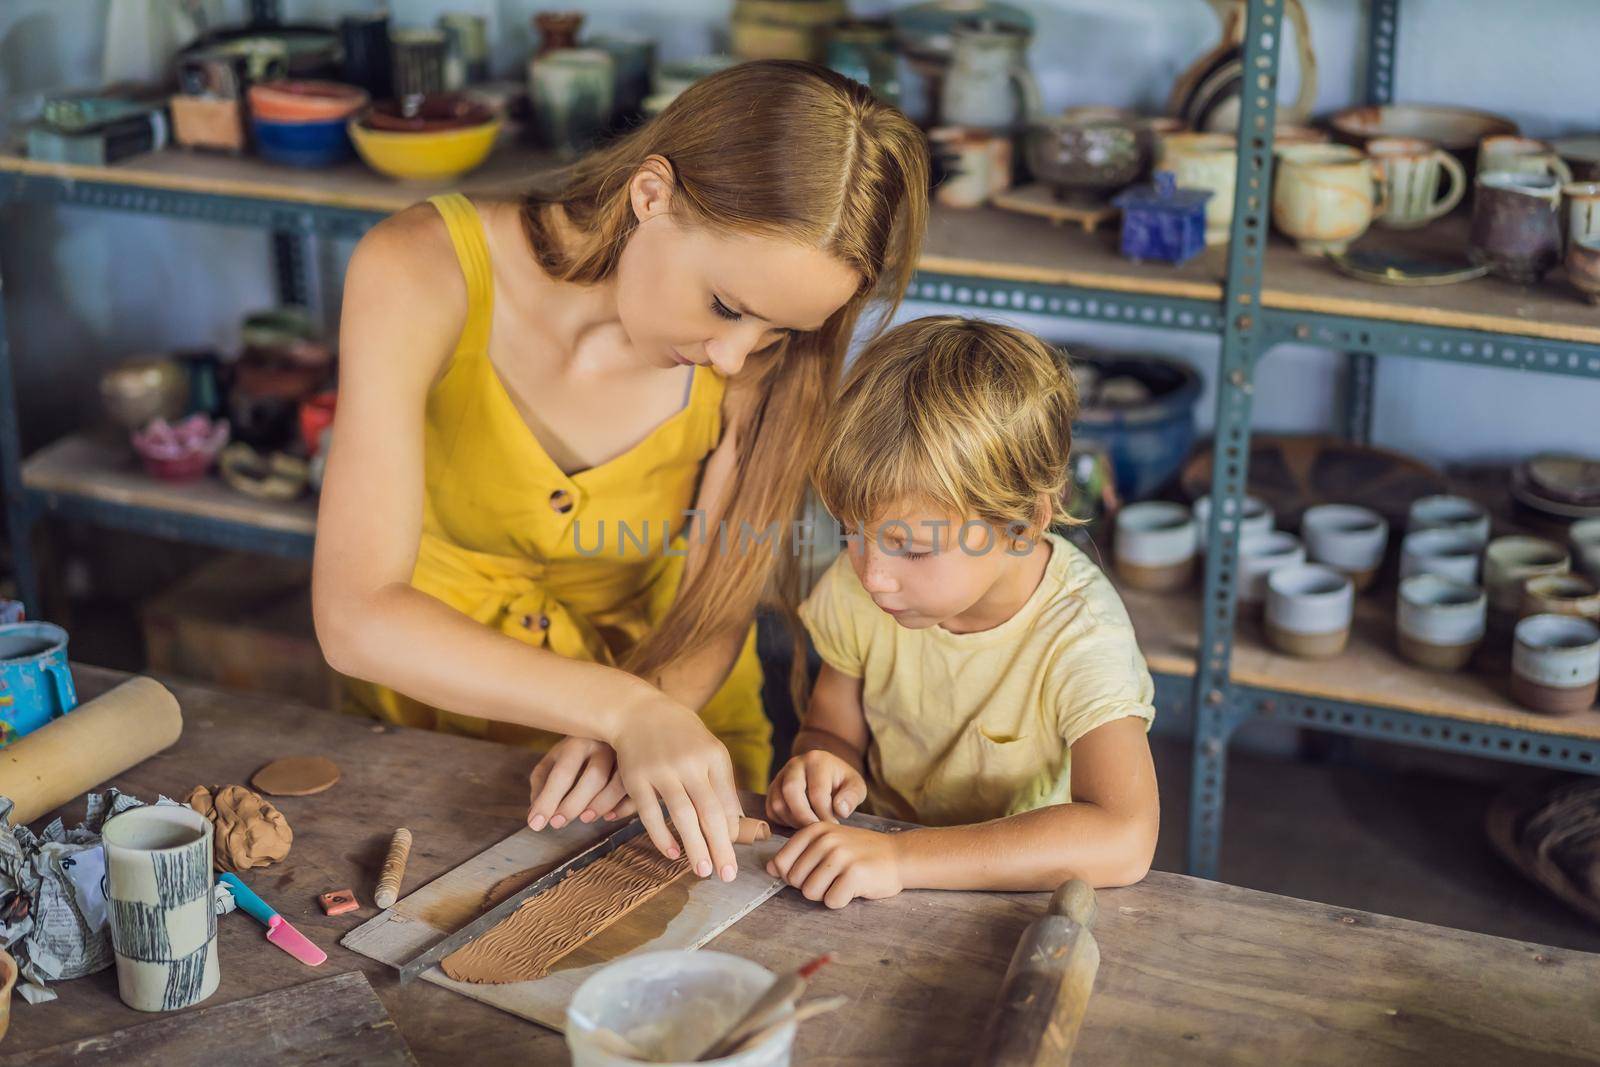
[[837, 864], [575, 780], [665, 755], [815, 786]]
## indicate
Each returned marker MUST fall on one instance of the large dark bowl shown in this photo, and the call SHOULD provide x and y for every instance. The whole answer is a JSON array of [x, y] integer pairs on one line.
[[1092, 157]]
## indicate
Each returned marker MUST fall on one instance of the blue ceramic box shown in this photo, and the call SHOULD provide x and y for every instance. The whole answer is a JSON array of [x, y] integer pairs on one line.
[[1161, 221]]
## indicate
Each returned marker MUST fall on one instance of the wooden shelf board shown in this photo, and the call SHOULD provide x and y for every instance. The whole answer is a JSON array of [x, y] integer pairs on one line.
[[1370, 670], [109, 472], [982, 243]]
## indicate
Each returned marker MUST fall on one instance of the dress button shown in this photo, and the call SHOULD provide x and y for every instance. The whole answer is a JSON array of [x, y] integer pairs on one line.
[[544, 622], [561, 501], [527, 622]]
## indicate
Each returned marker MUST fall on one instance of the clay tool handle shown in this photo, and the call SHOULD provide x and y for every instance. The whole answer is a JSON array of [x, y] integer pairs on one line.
[[394, 869], [1046, 989], [779, 998], [809, 1010], [87, 746]]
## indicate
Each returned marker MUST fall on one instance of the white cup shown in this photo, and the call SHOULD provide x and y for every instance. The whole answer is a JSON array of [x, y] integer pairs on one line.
[[1156, 545], [1443, 512], [1440, 621], [1510, 561], [1256, 518], [1555, 663], [1309, 610], [158, 898], [1445, 551], [1259, 555], [1348, 537]]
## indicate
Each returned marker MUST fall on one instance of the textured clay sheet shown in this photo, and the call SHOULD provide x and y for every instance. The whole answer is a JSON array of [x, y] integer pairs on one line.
[[552, 924]]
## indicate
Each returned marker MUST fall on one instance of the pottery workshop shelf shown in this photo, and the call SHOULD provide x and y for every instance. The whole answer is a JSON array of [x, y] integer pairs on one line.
[[84, 477], [1369, 672]]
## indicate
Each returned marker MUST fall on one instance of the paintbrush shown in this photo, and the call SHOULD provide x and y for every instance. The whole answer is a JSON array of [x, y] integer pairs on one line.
[[779, 997], [810, 1009]]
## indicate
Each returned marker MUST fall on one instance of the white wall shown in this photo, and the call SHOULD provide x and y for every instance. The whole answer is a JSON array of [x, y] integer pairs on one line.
[[83, 287]]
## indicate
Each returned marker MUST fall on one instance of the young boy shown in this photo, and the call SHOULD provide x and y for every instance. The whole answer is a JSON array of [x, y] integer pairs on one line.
[[980, 675]]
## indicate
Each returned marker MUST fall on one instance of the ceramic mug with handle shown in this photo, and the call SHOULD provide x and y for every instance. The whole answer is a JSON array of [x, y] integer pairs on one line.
[[1413, 171], [1521, 155], [35, 681], [1326, 195]]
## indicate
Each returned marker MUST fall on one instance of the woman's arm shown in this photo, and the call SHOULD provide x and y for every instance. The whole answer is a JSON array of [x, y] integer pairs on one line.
[[404, 305], [1106, 836]]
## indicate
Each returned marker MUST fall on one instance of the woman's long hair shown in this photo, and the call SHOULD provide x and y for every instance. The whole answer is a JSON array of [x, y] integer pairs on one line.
[[776, 149]]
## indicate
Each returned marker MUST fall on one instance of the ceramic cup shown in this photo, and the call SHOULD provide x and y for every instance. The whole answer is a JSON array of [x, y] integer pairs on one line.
[[1259, 555], [1585, 537], [1350, 538], [1156, 546], [158, 896], [1555, 663], [1440, 622], [1457, 513], [1413, 171], [1583, 266], [976, 165], [1445, 552], [1257, 518], [1516, 225], [1520, 155], [1325, 196], [1508, 562], [1581, 202], [571, 92], [35, 678], [1309, 609], [1208, 161], [1561, 594]]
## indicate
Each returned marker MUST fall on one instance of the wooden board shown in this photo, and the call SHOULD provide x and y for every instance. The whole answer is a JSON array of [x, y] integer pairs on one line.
[[107, 471], [1040, 200], [330, 1022], [685, 915]]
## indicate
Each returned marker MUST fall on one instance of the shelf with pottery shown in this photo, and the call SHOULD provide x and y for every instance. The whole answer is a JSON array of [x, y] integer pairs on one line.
[[106, 472], [1370, 671]]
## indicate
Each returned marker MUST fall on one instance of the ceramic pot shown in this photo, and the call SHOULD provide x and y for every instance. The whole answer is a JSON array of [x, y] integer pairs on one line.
[[570, 93], [138, 391], [988, 84], [1256, 518], [1448, 553], [1087, 159], [418, 59], [466, 49], [1583, 267], [1581, 203], [1347, 537], [1555, 664], [1585, 538], [1207, 161], [1511, 153], [1516, 225], [1155, 546], [1440, 622], [1206, 95], [367, 61], [632, 57], [970, 165], [863, 49], [1325, 196], [1412, 171], [1508, 562], [1561, 594], [158, 891], [1259, 555], [557, 30], [1456, 513], [1309, 610]]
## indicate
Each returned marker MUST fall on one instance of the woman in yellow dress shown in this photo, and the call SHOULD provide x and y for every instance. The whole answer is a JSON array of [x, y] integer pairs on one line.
[[537, 394]]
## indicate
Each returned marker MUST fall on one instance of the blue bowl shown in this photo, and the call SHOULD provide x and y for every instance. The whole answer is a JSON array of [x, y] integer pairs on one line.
[[1148, 442], [304, 144]]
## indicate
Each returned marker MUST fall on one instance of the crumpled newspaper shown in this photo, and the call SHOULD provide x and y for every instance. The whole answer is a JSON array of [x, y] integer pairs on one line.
[[52, 902]]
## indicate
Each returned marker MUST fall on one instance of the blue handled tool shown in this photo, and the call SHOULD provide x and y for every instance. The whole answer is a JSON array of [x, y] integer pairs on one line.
[[279, 932]]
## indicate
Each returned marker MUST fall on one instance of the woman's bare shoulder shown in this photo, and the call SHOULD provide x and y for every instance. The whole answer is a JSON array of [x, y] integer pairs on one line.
[[404, 286]]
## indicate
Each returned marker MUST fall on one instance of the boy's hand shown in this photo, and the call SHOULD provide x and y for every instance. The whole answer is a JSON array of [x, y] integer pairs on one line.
[[837, 864], [814, 786]]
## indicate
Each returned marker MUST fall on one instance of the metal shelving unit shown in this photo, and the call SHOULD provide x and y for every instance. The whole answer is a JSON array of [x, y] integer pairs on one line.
[[1262, 296]]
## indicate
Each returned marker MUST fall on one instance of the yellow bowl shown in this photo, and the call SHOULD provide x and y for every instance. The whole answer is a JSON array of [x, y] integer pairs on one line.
[[424, 156]]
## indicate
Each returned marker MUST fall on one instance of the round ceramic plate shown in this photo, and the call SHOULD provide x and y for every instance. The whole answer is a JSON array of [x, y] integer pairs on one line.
[[1406, 268], [1529, 496], [1565, 478]]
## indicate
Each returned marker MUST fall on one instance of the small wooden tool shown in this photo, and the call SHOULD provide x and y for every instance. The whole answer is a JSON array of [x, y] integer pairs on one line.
[[394, 869], [1046, 989]]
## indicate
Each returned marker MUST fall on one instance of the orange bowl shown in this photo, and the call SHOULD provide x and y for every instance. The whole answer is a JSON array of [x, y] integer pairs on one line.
[[305, 101]]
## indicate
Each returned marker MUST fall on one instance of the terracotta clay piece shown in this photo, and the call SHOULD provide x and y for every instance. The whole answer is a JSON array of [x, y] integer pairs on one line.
[[296, 776], [338, 902], [250, 831], [549, 926], [752, 830]]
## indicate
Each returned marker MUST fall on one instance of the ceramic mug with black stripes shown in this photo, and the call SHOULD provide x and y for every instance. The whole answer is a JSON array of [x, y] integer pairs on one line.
[[159, 902]]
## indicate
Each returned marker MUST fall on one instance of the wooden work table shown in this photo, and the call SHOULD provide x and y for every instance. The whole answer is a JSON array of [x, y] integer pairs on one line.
[[1192, 971]]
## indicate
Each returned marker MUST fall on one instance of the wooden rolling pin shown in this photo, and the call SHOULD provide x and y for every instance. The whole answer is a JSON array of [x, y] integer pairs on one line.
[[87, 746], [1046, 989], [394, 869]]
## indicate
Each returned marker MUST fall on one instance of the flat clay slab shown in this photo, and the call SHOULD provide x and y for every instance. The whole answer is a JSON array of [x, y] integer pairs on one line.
[[297, 776], [685, 914]]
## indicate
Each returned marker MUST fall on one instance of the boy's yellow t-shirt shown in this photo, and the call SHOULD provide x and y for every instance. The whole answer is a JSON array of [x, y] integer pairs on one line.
[[970, 727]]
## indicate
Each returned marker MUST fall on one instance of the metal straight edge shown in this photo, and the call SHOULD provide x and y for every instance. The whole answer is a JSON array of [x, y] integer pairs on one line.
[[1241, 345], [495, 915]]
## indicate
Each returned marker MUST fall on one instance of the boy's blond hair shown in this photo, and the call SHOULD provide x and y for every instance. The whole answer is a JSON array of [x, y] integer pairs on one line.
[[972, 417]]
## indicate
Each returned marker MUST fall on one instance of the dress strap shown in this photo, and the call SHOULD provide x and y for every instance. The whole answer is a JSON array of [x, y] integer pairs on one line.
[[465, 226]]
